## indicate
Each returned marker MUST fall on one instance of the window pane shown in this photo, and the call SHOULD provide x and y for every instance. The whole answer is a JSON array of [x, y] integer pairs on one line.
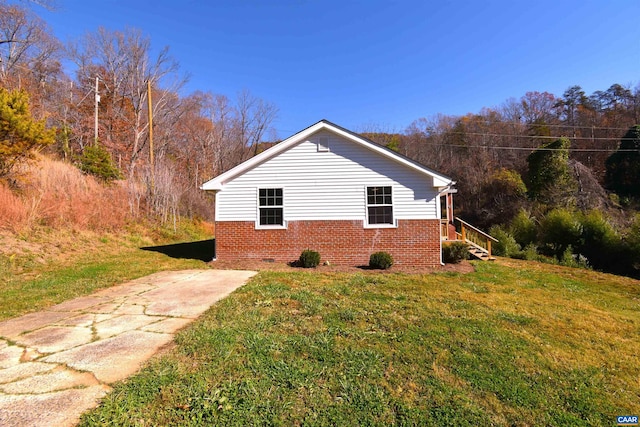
[[379, 195], [263, 197], [270, 196], [271, 216], [380, 215]]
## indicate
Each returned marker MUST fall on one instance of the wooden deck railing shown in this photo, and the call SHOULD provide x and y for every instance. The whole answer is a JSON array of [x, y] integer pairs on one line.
[[470, 234], [444, 229]]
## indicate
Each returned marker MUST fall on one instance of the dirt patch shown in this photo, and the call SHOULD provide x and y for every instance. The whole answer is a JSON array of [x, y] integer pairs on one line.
[[463, 268]]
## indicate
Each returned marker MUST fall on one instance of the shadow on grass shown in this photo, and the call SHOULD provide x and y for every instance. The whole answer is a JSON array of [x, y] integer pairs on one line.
[[203, 250]]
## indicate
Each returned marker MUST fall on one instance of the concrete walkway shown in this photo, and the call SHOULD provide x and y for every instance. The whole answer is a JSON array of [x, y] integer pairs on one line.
[[56, 364]]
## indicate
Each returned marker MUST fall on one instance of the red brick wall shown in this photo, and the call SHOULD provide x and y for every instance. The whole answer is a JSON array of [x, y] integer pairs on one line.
[[413, 242]]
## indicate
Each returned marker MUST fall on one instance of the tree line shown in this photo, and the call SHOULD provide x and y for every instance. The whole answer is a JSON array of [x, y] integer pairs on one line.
[[195, 137], [569, 164]]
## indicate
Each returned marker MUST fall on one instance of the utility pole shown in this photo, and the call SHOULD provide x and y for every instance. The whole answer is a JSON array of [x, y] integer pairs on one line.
[[95, 125], [150, 108]]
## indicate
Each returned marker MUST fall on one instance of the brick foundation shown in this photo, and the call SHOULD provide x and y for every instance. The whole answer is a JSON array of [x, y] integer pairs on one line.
[[413, 242]]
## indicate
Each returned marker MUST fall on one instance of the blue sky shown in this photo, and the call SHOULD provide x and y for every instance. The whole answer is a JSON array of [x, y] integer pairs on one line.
[[365, 64]]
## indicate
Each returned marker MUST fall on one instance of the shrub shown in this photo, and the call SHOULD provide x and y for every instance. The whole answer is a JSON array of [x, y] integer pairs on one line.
[[569, 259], [523, 228], [455, 252], [96, 160], [381, 260], [309, 258], [632, 251], [506, 244], [559, 229], [599, 241], [623, 166]]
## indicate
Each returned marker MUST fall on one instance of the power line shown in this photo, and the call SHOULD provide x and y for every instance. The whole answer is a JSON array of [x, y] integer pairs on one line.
[[496, 147], [525, 125], [585, 127], [505, 135]]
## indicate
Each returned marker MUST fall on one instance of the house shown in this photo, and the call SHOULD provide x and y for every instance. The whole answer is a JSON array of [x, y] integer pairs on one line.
[[331, 190]]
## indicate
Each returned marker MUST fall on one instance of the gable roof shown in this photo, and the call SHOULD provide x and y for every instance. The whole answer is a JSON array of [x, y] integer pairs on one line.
[[218, 182]]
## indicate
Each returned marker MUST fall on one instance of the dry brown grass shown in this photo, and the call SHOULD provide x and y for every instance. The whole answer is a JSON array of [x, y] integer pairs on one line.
[[57, 194], [13, 212]]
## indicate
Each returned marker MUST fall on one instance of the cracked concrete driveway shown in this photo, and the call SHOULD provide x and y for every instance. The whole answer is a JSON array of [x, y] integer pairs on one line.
[[58, 363]]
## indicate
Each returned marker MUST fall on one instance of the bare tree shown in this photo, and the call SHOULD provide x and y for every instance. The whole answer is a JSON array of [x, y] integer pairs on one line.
[[122, 62], [253, 118], [26, 46]]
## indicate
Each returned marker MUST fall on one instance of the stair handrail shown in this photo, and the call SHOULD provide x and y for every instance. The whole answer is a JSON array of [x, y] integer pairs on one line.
[[475, 236], [477, 230]]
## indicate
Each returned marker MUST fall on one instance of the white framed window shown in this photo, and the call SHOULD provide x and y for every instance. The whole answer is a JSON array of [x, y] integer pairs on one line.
[[270, 208], [380, 206]]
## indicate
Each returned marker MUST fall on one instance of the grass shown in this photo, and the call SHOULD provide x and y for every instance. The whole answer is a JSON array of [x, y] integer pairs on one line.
[[53, 266], [515, 343]]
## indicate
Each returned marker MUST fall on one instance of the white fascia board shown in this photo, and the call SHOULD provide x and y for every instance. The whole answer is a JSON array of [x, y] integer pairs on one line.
[[439, 181]]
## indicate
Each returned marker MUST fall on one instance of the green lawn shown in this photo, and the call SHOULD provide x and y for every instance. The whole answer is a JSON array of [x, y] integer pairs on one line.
[[514, 343], [58, 266]]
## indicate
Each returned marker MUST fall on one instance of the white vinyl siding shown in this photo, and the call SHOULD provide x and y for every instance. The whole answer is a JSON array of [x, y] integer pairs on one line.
[[328, 185]]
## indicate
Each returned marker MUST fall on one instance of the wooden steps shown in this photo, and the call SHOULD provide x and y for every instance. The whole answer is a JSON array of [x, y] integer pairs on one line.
[[479, 252], [478, 242]]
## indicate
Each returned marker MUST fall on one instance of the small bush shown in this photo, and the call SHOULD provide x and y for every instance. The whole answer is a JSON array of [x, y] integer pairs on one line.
[[559, 229], [569, 259], [381, 260], [454, 252], [530, 253], [309, 258], [599, 241], [506, 244], [96, 160], [523, 228]]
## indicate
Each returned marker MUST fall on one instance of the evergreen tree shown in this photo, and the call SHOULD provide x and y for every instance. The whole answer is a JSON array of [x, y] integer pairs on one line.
[[550, 180], [95, 160], [623, 166], [20, 134]]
